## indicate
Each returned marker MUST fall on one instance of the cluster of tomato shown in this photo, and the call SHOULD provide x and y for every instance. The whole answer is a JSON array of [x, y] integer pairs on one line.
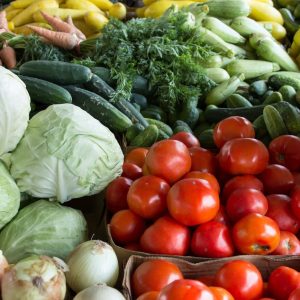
[[178, 198], [160, 279]]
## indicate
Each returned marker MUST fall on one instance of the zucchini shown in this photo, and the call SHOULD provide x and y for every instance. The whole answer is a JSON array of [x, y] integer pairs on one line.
[[258, 87], [217, 75], [133, 131], [141, 100], [100, 109], [59, 72], [146, 138], [161, 126], [236, 100], [274, 97], [43, 91], [104, 74], [274, 122], [278, 80]]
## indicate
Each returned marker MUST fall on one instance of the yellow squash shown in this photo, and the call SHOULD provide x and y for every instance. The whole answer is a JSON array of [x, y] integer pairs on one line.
[[81, 4], [102, 4], [95, 20], [26, 30], [263, 12], [278, 31], [118, 11], [63, 13], [12, 13]]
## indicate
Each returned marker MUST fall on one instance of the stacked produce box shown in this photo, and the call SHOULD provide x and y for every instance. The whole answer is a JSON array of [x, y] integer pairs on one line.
[[165, 137]]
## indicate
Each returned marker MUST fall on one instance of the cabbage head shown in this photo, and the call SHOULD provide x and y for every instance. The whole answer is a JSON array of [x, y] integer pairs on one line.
[[65, 154], [43, 228], [14, 110], [9, 196]]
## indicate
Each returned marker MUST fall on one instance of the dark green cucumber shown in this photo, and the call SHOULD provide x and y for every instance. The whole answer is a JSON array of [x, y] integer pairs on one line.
[[289, 21], [162, 135], [133, 131], [100, 109], [189, 112], [288, 94], [141, 100], [273, 98], [258, 87], [180, 125], [274, 122], [236, 100], [260, 127], [146, 138], [46, 92], [59, 72], [140, 86], [154, 112], [104, 74], [206, 139], [100, 87], [278, 80], [161, 126], [201, 127]]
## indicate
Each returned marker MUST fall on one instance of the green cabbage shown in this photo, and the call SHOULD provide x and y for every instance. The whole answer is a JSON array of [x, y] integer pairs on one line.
[[65, 154], [14, 110], [9, 197], [43, 228]]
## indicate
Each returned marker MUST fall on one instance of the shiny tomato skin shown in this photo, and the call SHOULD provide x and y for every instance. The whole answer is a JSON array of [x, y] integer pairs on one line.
[[203, 160], [153, 275], [284, 150], [147, 196], [238, 182], [126, 226], [244, 201], [241, 278], [192, 201], [149, 296], [166, 236], [131, 171], [221, 293], [116, 194], [184, 289], [222, 216], [295, 201], [206, 176], [289, 244], [295, 294], [231, 128], [187, 138], [136, 156], [212, 239], [256, 234], [243, 156], [168, 159], [282, 281], [277, 179], [280, 210]]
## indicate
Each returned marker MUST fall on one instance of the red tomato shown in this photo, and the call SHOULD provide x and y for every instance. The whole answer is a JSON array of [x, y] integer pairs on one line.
[[145, 170], [266, 299], [166, 236], [132, 171], [206, 176], [126, 226], [192, 201], [243, 156], [295, 294], [222, 216], [244, 201], [136, 156], [116, 194], [149, 296], [282, 281], [232, 128], [295, 201], [153, 275], [187, 138], [208, 280], [184, 289], [212, 239], [296, 176], [238, 182], [280, 211], [277, 179], [288, 245], [241, 278], [220, 293], [169, 159], [284, 150], [147, 196], [256, 234], [203, 160]]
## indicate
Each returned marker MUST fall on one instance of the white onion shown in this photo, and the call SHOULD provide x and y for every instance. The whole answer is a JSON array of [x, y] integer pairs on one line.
[[3, 265], [91, 263], [99, 292], [34, 278]]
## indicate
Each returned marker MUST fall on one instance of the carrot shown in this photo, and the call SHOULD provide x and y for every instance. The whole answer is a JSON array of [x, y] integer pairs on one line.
[[8, 56], [3, 20], [63, 40], [78, 32]]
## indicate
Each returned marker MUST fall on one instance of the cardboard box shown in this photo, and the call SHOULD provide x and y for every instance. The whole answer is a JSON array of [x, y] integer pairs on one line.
[[266, 264]]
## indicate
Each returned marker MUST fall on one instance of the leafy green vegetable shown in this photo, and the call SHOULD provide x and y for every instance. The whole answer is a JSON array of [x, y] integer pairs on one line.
[[43, 228], [165, 51]]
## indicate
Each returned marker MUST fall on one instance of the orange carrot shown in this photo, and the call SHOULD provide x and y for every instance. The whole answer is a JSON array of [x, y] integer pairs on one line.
[[3, 21], [63, 40], [78, 32], [8, 57]]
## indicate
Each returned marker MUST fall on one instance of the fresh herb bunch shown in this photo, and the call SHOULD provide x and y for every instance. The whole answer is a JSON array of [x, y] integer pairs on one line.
[[166, 51]]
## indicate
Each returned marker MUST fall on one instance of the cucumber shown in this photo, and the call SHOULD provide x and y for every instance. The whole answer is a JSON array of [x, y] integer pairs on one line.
[[277, 81], [104, 74], [236, 100], [43, 91], [274, 122], [161, 126], [146, 138], [154, 112], [100, 109], [162, 135], [133, 131], [201, 127], [260, 127], [206, 139], [189, 112], [59, 72], [150, 114], [141, 100], [258, 87], [273, 98], [288, 94], [140, 86], [181, 126], [101, 88]]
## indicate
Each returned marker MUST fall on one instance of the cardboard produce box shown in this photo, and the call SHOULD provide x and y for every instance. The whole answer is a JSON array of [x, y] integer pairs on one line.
[[266, 264]]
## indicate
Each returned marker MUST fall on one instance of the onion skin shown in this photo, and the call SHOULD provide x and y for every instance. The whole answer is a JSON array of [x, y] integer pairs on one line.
[[3, 265]]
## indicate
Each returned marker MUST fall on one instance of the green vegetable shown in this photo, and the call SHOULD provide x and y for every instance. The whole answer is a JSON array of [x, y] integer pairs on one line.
[[65, 154], [289, 21], [274, 122], [288, 94], [218, 75], [161, 126], [43, 228], [274, 97], [279, 80], [258, 87], [236, 100], [146, 138], [133, 131]]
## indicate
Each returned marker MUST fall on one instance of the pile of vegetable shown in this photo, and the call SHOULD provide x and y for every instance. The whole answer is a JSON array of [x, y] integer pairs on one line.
[[234, 279]]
